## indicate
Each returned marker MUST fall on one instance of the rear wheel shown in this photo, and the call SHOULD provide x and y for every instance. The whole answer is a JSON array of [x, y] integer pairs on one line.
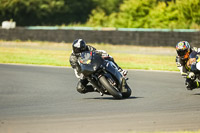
[[115, 93]]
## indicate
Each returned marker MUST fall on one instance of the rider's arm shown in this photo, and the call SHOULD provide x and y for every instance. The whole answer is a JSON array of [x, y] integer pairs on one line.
[[90, 48], [104, 54], [178, 63], [74, 63], [191, 63], [181, 66], [196, 49], [77, 74]]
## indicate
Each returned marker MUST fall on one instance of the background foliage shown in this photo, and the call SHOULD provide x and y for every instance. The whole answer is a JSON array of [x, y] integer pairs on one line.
[[184, 14], [45, 12]]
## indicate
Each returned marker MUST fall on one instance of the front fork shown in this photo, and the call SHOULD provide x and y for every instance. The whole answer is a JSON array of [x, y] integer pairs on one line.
[[93, 80], [120, 85]]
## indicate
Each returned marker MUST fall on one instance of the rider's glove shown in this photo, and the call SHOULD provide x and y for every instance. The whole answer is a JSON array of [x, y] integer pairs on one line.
[[78, 75], [81, 76]]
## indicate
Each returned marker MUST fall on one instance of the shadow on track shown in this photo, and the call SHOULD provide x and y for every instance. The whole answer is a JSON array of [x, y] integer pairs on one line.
[[196, 94], [111, 98]]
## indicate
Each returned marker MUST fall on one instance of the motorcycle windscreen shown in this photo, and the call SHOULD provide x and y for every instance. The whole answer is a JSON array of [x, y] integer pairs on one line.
[[93, 65], [87, 69]]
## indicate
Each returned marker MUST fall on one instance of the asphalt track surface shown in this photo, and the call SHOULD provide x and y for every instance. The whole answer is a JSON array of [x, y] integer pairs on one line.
[[37, 99]]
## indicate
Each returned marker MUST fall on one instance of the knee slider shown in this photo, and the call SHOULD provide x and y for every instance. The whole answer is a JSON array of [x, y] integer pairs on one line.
[[80, 88]]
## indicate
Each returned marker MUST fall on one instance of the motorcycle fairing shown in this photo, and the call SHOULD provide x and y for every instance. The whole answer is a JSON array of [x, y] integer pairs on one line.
[[112, 69], [90, 62]]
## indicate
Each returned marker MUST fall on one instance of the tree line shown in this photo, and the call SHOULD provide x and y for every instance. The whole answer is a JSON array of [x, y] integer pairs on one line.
[[103, 13]]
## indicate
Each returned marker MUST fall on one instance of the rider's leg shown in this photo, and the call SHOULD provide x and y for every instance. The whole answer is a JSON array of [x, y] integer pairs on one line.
[[123, 72], [191, 84], [82, 86]]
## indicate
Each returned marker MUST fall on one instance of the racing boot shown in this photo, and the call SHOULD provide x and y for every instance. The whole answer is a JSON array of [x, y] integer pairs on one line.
[[83, 88], [192, 85], [123, 72]]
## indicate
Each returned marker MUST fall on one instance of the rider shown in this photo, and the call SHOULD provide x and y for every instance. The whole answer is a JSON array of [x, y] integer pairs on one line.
[[186, 63], [79, 46]]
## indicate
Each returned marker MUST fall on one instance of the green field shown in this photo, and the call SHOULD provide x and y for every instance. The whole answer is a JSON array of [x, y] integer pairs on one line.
[[57, 54]]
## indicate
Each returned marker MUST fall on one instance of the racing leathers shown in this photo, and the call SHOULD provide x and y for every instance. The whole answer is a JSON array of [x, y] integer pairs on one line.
[[188, 68], [82, 86]]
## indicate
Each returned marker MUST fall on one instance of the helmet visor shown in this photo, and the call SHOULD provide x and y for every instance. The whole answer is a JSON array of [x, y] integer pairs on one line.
[[77, 50], [182, 53]]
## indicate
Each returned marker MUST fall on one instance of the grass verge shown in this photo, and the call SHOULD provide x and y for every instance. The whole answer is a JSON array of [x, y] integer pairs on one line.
[[57, 54]]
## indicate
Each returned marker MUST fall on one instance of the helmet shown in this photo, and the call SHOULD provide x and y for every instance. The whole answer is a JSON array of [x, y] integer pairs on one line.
[[79, 46], [183, 49]]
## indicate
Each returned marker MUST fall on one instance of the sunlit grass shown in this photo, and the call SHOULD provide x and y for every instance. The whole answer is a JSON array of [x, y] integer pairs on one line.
[[147, 62], [34, 56], [57, 54]]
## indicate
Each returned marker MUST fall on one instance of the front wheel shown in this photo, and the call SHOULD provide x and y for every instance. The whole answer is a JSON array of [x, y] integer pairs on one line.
[[128, 92], [116, 94]]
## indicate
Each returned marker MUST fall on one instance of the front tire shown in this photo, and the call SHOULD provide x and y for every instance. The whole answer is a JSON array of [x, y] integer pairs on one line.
[[127, 93], [116, 94]]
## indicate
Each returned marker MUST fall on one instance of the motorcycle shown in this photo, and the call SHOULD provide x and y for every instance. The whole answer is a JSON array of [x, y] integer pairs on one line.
[[193, 75], [103, 75]]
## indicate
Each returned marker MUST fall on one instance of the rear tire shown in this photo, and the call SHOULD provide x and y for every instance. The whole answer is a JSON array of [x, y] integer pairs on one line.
[[116, 94]]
